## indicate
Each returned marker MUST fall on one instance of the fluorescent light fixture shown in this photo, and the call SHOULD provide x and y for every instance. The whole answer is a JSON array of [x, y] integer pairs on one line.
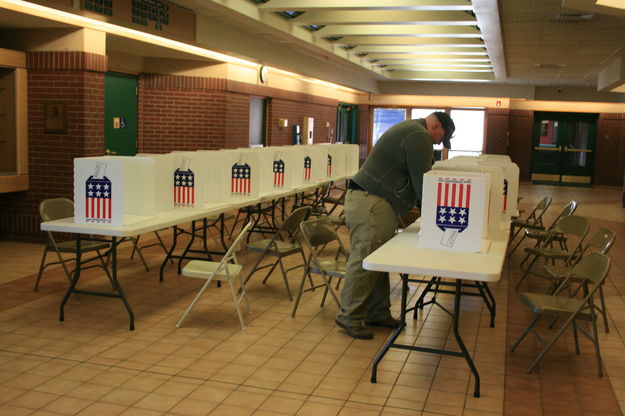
[[617, 4]]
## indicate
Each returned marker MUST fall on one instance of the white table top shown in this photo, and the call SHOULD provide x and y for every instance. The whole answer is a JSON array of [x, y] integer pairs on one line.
[[402, 254], [143, 224]]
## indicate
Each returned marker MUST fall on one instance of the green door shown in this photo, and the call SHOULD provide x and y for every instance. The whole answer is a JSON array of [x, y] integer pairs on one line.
[[120, 114], [563, 146], [346, 123]]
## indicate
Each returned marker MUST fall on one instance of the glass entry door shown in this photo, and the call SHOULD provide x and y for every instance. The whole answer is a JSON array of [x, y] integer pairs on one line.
[[563, 146]]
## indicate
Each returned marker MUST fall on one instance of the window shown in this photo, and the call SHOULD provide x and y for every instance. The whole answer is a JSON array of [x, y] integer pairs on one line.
[[384, 118], [423, 113], [469, 136]]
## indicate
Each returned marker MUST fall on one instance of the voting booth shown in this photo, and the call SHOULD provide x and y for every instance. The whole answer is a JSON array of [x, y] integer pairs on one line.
[[292, 158], [352, 158], [231, 174], [114, 190], [165, 183], [337, 159], [511, 181], [454, 211], [315, 163]]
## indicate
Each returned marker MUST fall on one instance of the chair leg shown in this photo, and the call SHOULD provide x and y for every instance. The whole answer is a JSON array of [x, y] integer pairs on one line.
[[233, 292], [595, 341], [197, 297], [300, 290], [603, 310], [544, 351], [526, 273], [286, 281], [254, 268], [529, 329], [517, 245], [243, 294], [41, 267]]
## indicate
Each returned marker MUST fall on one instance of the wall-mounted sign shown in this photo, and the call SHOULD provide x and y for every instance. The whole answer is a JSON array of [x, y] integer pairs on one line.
[[153, 15]]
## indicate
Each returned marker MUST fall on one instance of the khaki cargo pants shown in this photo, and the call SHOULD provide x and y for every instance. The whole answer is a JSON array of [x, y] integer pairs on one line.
[[372, 222]]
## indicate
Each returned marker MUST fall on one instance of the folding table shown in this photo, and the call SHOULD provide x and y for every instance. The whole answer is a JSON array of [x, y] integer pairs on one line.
[[402, 255]]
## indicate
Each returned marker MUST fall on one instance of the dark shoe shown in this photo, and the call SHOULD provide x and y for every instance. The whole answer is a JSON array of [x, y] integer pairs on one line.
[[360, 331], [389, 322]]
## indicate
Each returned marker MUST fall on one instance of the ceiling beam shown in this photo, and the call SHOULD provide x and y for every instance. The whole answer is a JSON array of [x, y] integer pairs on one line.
[[332, 17], [438, 57], [409, 40], [447, 76], [304, 5], [406, 30], [415, 49]]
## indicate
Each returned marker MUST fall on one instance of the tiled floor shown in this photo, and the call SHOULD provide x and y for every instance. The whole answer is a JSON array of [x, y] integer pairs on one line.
[[91, 364]]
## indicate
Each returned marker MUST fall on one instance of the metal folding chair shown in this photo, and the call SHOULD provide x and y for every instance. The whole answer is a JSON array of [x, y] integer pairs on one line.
[[592, 270], [56, 209], [573, 229], [227, 270], [320, 237], [535, 218], [284, 243]]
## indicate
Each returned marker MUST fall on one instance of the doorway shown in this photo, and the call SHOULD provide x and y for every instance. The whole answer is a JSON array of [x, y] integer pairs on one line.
[[346, 123], [120, 114], [563, 148]]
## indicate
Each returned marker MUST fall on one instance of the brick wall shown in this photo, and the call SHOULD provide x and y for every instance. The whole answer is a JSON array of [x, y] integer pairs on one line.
[[520, 141], [77, 80], [497, 126], [294, 112]]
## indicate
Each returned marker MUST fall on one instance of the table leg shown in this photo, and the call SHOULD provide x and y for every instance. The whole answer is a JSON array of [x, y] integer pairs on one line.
[[489, 300], [463, 348], [187, 248], [118, 286], [169, 253], [402, 324], [75, 278]]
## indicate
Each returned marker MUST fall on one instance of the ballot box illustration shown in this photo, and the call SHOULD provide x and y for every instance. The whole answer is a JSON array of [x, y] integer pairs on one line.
[[113, 190], [184, 185], [163, 167], [454, 211], [188, 180], [241, 183]]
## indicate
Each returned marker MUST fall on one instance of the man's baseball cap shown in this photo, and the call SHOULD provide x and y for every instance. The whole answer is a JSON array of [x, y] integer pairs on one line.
[[448, 125]]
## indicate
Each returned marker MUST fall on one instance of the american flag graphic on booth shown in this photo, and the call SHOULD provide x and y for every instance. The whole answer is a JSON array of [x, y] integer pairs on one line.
[[307, 167], [184, 188], [329, 168], [241, 179], [505, 194], [453, 201], [278, 173], [99, 204]]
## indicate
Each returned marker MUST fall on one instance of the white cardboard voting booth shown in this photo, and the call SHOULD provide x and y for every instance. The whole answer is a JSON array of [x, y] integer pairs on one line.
[[352, 158], [453, 211], [232, 174], [113, 190], [315, 163], [269, 171], [337, 159], [293, 158], [164, 183], [511, 181]]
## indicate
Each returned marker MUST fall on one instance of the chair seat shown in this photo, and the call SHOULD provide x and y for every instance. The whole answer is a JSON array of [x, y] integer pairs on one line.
[[203, 269], [334, 268], [548, 253], [279, 247], [70, 246], [545, 303]]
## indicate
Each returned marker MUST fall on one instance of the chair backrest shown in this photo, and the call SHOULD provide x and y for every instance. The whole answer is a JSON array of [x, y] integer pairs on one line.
[[593, 269], [567, 210], [56, 209], [319, 232], [536, 216], [290, 226], [602, 241], [231, 254], [574, 229]]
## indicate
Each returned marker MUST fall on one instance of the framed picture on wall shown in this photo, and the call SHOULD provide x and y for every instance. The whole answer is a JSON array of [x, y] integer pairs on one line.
[[56, 117]]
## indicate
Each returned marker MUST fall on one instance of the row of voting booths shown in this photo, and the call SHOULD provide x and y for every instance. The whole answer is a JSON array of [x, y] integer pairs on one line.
[[121, 190], [466, 197]]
